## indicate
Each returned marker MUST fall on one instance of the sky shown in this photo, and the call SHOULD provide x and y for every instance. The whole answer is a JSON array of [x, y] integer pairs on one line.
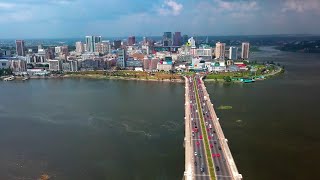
[[121, 18]]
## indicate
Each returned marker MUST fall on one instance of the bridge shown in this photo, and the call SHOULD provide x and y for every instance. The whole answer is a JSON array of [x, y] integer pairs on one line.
[[207, 154]]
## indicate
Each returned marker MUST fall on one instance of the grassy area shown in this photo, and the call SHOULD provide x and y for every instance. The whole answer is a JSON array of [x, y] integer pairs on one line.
[[225, 107], [205, 136]]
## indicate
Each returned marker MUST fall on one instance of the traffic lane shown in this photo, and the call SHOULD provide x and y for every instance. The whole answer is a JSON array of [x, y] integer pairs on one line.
[[200, 147], [215, 150], [221, 163], [197, 148]]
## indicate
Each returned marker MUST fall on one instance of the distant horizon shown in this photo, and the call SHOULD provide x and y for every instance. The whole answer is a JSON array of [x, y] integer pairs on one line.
[[157, 36]]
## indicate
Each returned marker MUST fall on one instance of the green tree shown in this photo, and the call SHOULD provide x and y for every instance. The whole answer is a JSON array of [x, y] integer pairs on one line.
[[227, 79]]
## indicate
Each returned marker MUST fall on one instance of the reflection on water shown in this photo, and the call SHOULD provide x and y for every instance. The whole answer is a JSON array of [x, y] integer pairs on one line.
[[96, 129]]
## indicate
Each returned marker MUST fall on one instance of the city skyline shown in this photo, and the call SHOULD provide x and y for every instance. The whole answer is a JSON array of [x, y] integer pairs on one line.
[[151, 18]]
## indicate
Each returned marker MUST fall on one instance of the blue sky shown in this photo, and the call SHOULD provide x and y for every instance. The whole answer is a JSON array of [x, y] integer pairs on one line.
[[110, 18]]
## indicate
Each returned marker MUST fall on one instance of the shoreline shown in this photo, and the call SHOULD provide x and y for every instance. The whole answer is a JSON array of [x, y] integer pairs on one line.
[[266, 76], [97, 76]]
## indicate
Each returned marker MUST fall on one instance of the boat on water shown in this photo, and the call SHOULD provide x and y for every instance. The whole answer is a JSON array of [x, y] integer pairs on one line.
[[247, 80], [25, 78], [10, 78]]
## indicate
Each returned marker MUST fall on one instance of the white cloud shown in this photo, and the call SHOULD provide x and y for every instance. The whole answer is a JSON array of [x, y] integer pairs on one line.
[[170, 7], [4, 5], [223, 5], [301, 5]]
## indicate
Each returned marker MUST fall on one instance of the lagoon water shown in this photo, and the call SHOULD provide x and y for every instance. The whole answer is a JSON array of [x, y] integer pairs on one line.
[[105, 129]]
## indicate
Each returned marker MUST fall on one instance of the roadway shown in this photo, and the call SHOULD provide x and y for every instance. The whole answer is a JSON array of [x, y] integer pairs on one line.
[[200, 160], [220, 164]]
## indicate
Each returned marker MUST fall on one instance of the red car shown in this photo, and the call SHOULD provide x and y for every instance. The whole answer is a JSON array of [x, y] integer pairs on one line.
[[211, 146], [200, 137], [198, 143]]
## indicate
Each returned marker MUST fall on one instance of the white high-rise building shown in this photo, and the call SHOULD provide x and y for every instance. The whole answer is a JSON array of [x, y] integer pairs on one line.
[[233, 53], [58, 49], [220, 50], [192, 42], [91, 41], [245, 50], [79, 47]]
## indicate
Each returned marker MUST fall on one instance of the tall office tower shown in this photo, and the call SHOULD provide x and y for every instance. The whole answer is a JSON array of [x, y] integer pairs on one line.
[[58, 49], [220, 50], [131, 40], [20, 48], [65, 50], [50, 53], [185, 39], [233, 53], [79, 47], [177, 39], [245, 50], [117, 44], [91, 41], [122, 58], [97, 39], [167, 39]]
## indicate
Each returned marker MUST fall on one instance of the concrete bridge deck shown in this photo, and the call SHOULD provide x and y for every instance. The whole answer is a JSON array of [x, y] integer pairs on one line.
[[197, 101]]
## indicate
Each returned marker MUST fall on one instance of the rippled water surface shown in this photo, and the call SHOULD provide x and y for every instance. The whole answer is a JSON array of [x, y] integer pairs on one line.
[[100, 129]]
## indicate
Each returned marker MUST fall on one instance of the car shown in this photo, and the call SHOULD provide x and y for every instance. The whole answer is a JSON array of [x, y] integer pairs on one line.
[[214, 142], [213, 155], [214, 131], [202, 169], [192, 134], [195, 163], [210, 126], [211, 146], [195, 153], [198, 143], [211, 135], [219, 148], [199, 155], [200, 137], [206, 123], [217, 168], [218, 155]]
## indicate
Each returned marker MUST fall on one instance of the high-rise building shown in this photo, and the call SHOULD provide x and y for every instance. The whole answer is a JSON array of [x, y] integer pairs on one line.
[[20, 48], [122, 57], [167, 39], [177, 39], [245, 50], [192, 42], [97, 39], [102, 47], [131, 40], [65, 50], [185, 39], [233, 53], [117, 44], [91, 41], [220, 50], [58, 49], [50, 53], [79, 47]]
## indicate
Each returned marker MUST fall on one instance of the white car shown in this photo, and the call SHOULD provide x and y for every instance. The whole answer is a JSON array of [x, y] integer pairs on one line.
[[195, 153]]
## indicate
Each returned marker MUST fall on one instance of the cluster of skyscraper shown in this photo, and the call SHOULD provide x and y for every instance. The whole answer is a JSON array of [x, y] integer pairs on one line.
[[173, 39], [220, 50]]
